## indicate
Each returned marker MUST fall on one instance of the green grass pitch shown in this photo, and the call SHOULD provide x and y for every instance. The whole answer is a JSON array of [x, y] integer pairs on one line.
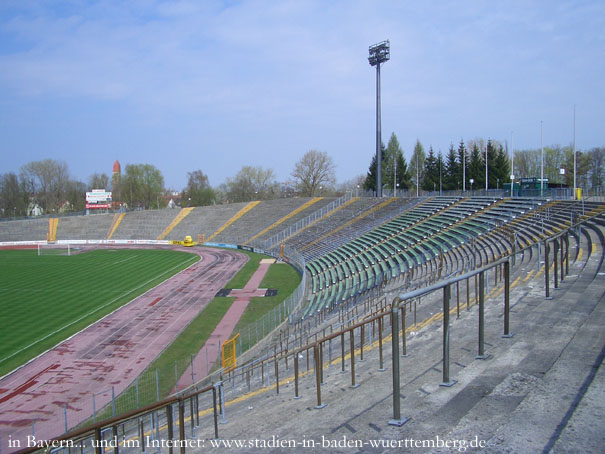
[[45, 299]]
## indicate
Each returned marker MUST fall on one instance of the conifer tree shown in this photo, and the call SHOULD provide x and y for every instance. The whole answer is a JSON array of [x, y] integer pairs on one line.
[[463, 160], [370, 182], [450, 179], [430, 177], [476, 169], [417, 164]]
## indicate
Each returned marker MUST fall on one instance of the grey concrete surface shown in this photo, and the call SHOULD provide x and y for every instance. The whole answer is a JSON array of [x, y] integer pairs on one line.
[[539, 391]]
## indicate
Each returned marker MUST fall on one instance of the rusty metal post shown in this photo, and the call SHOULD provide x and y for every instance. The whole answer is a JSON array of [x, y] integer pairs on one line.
[[342, 352], [197, 410], [507, 332], [468, 294], [296, 395], [397, 420], [361, 340], [352, 352], [415, 311], [97, 438], [446, 339], [457, 299], [546, 270], [182, 424], [191, 416], [562, 258], [114, 432], [404, 347], [215, 411], [170, 426], [142, 434], [276, 376], [567, 253], [380, 355], [481, 354], [556, 262], [317, 377], [321, 362]]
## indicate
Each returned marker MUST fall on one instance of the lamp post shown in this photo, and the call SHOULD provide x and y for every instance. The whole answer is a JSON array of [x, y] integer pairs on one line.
[[464, 169], [379, 53], [486, 176], [541, 158], [574, 152], [395, 175], [440, 174], [512, 164], [471, 181]]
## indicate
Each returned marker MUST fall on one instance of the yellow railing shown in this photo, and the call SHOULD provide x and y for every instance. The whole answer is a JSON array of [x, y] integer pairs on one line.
[[238, 215], [179, 217], [117, 219], [285, 218]]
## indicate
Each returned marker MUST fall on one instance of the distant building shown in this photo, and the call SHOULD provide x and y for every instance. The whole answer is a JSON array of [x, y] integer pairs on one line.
[[116, 179], [33, 209]]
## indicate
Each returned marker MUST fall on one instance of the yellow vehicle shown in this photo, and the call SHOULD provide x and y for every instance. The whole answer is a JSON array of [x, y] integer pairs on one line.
[[188, 242]]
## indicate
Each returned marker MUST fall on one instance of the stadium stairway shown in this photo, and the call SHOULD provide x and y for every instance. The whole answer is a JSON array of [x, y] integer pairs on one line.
[[91, 227], [182, 214], [205, 220], [319, 216], [117, 220], [147, 224], [261, 216], [291, 218]]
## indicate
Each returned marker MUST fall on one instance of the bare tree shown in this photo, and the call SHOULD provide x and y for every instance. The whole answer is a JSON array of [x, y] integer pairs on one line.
[[354, 185], [13, 198], [98, 181], [251, 183], [315, 169], [143, 186], [597, 166], [46, 181]]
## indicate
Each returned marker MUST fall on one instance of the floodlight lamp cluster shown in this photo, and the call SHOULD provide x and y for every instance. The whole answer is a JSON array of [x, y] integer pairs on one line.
[[379, 53]]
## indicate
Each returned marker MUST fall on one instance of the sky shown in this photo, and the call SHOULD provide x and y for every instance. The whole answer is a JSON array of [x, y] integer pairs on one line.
[[215, 85]]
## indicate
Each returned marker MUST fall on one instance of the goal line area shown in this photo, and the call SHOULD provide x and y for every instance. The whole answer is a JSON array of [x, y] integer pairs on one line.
[[56, 249]]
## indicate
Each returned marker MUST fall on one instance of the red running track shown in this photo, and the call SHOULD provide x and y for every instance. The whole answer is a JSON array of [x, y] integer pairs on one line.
[[209, 353], [110, 353]]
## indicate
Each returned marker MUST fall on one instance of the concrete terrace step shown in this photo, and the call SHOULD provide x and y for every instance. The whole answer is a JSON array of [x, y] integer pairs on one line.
[[258, 218], [205, 220], [538, 391], [24, 230], [92, 227]]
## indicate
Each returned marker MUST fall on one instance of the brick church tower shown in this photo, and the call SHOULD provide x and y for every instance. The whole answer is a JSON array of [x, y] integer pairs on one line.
[[116, 176]]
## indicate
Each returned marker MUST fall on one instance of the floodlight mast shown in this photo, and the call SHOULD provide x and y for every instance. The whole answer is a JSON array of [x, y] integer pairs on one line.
[[379, 53]]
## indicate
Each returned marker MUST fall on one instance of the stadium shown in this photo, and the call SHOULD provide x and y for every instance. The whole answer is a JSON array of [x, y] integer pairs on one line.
[[349, 320]]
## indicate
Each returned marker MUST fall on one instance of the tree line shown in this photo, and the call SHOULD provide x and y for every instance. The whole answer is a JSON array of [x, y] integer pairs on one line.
[[46, 187], [47, 184], [464, 166]]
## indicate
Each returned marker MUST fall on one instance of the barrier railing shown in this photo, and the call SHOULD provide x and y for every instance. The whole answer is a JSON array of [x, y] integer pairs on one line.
[[265, 369], [301, 224]]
